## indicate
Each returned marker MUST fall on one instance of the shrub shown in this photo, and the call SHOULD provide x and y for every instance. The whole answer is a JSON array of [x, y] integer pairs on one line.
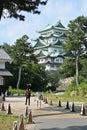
[[81, 80], [81, 89], [12, 91]]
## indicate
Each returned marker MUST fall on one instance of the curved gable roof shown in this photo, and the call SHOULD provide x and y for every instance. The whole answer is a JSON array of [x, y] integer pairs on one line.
[[63, 35], [47, 27], [38, 44], [41, 54], [59, 43], [59, 25]]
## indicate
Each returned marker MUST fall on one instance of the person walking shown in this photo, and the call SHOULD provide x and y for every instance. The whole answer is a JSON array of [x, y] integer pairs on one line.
[[27, 94]]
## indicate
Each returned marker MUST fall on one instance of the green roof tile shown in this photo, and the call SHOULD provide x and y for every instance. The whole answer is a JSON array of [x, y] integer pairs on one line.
[[39, 44], [41, 54], [47, 27], [59, 43], [59, 25], [63, 35]]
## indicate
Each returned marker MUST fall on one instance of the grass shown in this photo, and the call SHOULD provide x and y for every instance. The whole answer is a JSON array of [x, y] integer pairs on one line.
[[6, 121], [64, 98], [73, 93]]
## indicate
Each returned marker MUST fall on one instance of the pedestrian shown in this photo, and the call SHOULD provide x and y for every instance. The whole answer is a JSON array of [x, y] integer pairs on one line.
[[28, 95]]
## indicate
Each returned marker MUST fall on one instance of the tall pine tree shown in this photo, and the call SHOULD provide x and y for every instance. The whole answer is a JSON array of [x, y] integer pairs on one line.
[[76, 40]]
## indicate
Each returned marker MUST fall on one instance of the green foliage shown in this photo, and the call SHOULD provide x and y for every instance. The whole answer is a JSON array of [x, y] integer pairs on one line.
[[53, 78], [13, 91], [13, 68], [21, 50], [67, 69], [15, 7], [76, 41], [39, 77], [6, 121], [70, 89], [50, 88], [80, 89], [64, 97], [83, 62], [75, 34], [81, 79], [31, 72], [10, 89]]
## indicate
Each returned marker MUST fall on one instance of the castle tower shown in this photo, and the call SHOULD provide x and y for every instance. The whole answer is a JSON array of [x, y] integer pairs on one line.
[[49, 45]]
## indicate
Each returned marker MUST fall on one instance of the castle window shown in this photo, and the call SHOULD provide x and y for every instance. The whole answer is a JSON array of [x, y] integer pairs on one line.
[[57, 59]]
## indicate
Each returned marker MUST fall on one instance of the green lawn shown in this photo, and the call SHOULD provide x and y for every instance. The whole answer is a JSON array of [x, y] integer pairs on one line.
[[6, 121], [64, 98]]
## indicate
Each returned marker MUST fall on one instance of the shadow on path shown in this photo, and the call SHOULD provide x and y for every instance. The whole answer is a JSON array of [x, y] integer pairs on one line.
[[53, 110], [69, 128]]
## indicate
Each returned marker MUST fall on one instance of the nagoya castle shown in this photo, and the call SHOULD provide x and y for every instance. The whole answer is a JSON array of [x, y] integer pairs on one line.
[[48, 46]]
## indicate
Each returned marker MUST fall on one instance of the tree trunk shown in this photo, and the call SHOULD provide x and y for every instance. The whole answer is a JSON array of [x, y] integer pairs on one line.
[[77, 69], [19, 77], [1, 8]]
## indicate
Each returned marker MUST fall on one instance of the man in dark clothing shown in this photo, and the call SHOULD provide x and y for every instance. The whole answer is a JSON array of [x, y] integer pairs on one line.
[[28, 94]]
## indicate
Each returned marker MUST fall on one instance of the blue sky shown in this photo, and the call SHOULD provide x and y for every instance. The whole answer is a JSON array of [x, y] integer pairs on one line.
[[64, 10]]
